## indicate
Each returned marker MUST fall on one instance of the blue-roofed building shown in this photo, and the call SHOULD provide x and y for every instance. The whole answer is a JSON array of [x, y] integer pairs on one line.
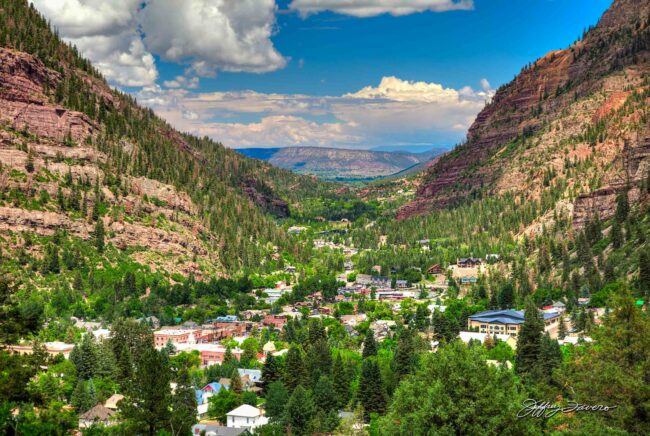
[[226, 318], [508, 322], [250, 377]]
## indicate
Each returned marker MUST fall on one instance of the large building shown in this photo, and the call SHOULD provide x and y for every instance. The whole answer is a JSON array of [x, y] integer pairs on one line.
[[508, 322]]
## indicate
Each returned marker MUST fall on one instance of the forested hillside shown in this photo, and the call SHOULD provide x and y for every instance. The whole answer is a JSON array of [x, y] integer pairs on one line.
[[75, 152]]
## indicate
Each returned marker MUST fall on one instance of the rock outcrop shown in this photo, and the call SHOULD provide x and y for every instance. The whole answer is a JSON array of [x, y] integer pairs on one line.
[[534, 99], [26, 108]]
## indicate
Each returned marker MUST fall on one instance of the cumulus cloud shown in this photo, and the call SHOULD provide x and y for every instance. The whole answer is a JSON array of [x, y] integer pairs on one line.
[[106, 33], [213, 35], [370, 8], [121, 37], [182, 82], [395, 110]]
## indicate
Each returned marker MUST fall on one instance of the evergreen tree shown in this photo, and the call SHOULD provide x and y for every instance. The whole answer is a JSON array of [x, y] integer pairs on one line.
[[529, 341], [616, 235], [369, 345], [299, 411], [644, 272], [562, 331], [235, 382], [371, 393], [294, 369], [276, 400], [324, 395], [622, 207], [84, 356], [183, 405], [81, 399], [271, 371], [99, 236], [507, 296], [550, 355], [404, 360], [341, 382], [147, 400]]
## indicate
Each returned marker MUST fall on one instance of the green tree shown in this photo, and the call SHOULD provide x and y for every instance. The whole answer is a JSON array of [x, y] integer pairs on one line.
[[405, 360], [294, 369], [644, 272], [183, 405], [324, 395], [276, 400], [369, 345], [299, 411], [99, 235], [529, 341], [456, 392], [235, 382], [371, 393], [222, 403], [271, 371], [622, 207], [341, 382], [147, 400]]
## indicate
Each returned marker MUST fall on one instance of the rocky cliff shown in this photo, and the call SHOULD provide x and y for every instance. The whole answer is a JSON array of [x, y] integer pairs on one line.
[[564, 101]]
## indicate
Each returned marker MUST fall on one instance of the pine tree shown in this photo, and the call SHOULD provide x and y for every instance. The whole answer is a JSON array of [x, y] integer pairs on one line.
[[324, 395], [183, 404], [235, 382], [299, 411], [562, 331], [529, 341], [99, 236], [369, 345], [147, 400], [644, 272], [341, 382], [616, 235], [271, 371], [294, 369], [622, 207], [404, 360], [276, 400], [80, 399], [550, 355], [507, 296], [371, 392]]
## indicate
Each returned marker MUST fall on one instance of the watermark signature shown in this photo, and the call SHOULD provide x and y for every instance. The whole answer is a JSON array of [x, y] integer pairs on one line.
[[545, 409]]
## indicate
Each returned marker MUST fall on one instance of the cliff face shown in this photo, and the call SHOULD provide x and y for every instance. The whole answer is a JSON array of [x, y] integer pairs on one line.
[[541, 95], [25, 106]]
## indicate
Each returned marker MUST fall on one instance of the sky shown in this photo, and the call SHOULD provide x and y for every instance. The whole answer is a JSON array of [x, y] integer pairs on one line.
[[331, 73]]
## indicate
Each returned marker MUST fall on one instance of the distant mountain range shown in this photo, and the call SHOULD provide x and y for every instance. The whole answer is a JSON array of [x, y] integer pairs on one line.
[[342, 164]]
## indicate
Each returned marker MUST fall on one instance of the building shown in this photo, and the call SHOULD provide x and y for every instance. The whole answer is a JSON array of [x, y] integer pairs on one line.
[[246, 416], [466, 337], [274, 321], [509, 322], [210, 353], [467, 262], [435, 269], [175, 336], [53, 348], [97, 415], [112, 402], [209, 429]]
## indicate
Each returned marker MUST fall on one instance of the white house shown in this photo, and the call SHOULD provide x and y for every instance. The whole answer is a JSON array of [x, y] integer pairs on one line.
[[246, 416]]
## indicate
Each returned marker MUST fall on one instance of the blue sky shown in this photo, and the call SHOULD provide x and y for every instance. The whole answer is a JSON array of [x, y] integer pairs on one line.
[[319, 72]]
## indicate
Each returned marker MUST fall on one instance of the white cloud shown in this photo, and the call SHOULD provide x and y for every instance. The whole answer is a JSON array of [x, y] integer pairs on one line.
[[213, 35], [121, 37], [370, 8], [106, 33], [182, 82], [394, 110]]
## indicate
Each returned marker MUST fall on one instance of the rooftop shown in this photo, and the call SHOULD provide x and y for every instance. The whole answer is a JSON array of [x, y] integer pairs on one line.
[[507, 316], [246, 411]]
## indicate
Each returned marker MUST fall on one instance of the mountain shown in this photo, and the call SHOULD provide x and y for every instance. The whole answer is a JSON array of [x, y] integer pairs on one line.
[[74, 151], [340, 164], [575, 120]]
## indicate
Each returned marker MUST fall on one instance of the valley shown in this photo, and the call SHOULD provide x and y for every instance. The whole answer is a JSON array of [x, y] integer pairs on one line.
[[158, 282]]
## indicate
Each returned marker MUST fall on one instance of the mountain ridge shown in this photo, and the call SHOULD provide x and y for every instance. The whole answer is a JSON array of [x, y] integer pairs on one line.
[[340, 163]]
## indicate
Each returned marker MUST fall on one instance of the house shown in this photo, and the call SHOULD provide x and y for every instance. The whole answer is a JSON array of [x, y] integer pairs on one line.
[[401, 283], [250, 377], [175, 336], [99, 414], [290, 269], [558, 306], [296, 230], [246, 416], [209, 429], [380, 281], [151, 321], [467, 262], [507, 363], [509, 322], [274, 321], [112, 402], [468, 280], [435, 269], [575, 340], [227, 318], [466, 337], [349, 265]]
